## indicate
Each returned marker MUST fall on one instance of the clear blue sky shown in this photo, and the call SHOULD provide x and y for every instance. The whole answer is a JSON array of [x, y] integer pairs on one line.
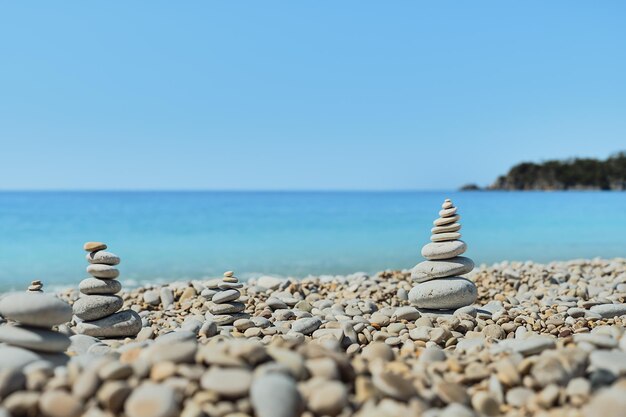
[[304, 95]]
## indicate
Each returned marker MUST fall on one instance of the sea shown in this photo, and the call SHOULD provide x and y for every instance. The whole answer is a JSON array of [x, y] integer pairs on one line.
[[169, 236]]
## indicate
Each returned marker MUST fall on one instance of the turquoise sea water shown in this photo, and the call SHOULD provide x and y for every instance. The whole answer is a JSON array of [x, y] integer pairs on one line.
[[176, 235]]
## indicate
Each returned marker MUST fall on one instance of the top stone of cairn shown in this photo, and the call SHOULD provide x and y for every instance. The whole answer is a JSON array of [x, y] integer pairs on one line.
[[94, 246]]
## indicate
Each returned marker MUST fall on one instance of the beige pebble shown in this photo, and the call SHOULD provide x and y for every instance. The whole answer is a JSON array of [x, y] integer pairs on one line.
[[94, 246]]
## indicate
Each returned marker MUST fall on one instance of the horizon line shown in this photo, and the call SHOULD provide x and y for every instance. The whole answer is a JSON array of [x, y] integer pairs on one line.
[[225, 190]]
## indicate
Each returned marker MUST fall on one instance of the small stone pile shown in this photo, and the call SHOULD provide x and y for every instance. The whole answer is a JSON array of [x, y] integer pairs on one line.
[[96, 311], [225, 306], [35, 286], [33, 316], [439, 285]]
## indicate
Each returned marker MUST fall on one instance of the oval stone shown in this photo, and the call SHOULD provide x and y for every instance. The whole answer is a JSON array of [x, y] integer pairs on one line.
[[444, 293], [427, 270], [152, 400], [125, 323], [445, 237], [306, 325], [444, 250], [16, 358], [275, 395], [229, 383], [103, 257], [94, 246], [99, 286], [35, 339], [35, 309], [226, 296], [103, 271], [452, 227], [447, 212], [227, 308], [93, 307], [446, 220]]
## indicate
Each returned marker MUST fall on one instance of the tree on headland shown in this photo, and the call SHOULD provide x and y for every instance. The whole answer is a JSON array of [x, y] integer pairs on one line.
[[570, 174]]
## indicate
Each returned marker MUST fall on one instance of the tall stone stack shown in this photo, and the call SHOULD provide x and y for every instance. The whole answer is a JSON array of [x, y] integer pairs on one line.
[[96, 311], [439, 284], [35, 286], [31, 318], [225, 306]]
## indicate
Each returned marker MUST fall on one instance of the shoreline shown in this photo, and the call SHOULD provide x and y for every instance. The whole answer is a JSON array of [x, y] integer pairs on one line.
[[541, 339]]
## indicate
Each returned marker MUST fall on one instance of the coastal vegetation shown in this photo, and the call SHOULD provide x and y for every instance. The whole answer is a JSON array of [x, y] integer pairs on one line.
[[570, 174]]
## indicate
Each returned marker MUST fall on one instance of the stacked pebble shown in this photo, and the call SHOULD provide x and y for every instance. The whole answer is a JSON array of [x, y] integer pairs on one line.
[[96, 311], [34, 315], [35, 286], [439, 285], [225, 306]]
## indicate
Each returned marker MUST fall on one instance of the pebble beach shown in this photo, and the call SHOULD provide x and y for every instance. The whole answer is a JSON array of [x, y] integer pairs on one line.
[[443, 339], [541, 339]]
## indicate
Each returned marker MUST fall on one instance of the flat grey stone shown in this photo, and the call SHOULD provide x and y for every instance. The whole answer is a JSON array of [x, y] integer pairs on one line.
[[612, 361], [80, 343], [441, 221], [229, 285], [94, 307], [102, 257], [306, 325], [103, 271], [176, 336], [445, 237], [444, 293], [227, 308], [406, 313], [35, 309], [602, 341], [427, 270], [33, 338], [448, 212], [608, 311], [226, 296], [275, 395], [99, 286], [526, 347], [452, 227], [443, 250], [16, 358], [276, 303], [125, 323]]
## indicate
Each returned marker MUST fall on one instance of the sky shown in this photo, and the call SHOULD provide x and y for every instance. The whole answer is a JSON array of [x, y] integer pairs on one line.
[[284, 95]]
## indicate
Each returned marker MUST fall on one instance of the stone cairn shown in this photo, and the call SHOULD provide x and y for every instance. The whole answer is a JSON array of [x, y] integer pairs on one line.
[[225, 306], [35, 286], [439, 285], [32, 316], [96, 311]]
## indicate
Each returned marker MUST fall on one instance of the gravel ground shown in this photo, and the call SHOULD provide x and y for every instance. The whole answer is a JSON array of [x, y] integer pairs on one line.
[[542, 339]]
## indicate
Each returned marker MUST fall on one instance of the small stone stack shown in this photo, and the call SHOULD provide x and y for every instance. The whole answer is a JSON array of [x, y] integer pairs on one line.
[[35, 286], [96, 311], [439, 285], [225, 307], [33, 316]]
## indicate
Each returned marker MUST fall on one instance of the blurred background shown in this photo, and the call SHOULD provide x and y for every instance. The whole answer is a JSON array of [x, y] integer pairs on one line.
[[298, 139]]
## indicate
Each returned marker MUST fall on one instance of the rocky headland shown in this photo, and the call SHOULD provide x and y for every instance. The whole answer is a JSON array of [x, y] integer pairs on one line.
[[561, 175]]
